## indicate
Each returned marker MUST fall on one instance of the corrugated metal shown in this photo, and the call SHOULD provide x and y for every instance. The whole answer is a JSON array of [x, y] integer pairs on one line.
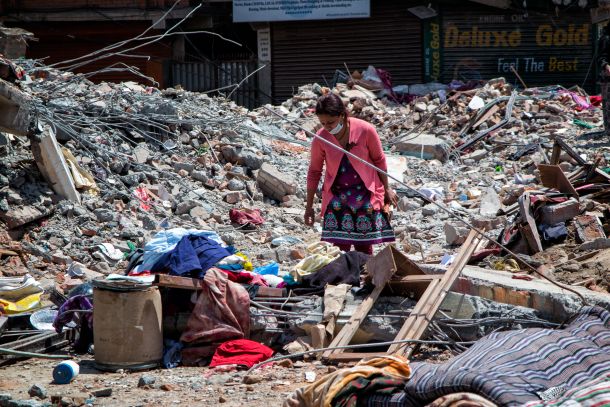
[[544, 49], [311, 51], [220, 77]]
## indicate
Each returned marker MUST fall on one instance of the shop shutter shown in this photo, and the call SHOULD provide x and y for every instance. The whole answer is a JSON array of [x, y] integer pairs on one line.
[[310, 51]]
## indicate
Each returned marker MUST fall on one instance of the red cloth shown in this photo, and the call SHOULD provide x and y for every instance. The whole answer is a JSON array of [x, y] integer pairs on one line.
[[243, 277], [240, 352], [595, 100], [246, 216], [222, 311]]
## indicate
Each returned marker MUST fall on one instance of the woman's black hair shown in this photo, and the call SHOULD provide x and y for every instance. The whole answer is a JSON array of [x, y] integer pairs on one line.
[[331, 105]]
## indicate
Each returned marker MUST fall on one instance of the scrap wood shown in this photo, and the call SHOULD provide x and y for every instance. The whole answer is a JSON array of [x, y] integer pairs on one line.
[[529, 229], [417, 323], [552, 176]]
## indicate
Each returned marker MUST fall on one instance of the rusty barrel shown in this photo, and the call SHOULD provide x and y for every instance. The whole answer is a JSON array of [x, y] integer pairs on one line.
[[127, 325]]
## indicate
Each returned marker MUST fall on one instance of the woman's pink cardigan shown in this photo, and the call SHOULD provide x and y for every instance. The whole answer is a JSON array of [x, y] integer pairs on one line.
[[365, 144]]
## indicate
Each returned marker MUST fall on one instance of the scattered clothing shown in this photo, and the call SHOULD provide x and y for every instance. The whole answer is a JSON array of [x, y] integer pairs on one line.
[[243, 277], [192, 257], [320, 254], [350, 218], [68, 312], [344, 270], [354, 391], [246, 217], [593, 393], [322, 392], [554, 233], [514, 367], [172, 355], [222, 311], [241, 352], [462, 399], [166, 240]]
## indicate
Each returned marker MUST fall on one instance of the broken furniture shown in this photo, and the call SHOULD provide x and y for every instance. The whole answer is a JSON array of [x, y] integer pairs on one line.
[[390, 263]]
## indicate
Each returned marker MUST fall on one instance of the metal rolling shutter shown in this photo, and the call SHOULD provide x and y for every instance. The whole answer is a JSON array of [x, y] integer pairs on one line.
[[309, 51], [538, 64]]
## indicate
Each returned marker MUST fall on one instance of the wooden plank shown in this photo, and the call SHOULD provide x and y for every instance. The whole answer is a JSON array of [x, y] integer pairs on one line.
[[351, 356], [531, 232], [553, 177], [416, 278], [423, 313], [185, 283], [555, 154], [570, 151], [270, 292], [349, 329]]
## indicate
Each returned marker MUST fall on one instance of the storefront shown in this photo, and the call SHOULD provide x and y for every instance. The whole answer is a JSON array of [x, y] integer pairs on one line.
[[486, 42]]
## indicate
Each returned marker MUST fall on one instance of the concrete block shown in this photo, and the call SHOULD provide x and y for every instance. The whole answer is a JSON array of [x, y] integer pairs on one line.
[[188, 167], [490, 203], [552, 214], [275, 184], [455, 234], [426, 146]]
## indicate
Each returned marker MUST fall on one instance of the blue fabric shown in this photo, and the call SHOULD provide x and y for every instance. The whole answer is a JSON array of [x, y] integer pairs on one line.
[[231, 267], [192, 256], [172, 356], [165, 241], [271, 268]]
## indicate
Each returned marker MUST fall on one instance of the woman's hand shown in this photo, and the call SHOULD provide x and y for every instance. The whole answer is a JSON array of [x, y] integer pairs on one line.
[[390, 197], [309, 216]]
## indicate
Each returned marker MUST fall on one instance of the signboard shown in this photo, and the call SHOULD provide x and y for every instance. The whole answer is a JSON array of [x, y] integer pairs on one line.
[[245, 11], [544, 50], [264, 45]]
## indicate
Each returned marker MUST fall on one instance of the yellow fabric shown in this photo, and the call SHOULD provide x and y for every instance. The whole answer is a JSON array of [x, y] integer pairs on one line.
[[82, 178], [247, 264], [320, 254], [27, 303], [322, 392], [506, 265]]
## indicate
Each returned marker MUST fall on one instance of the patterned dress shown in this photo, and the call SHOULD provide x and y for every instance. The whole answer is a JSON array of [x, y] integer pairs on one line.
[[349, 217]]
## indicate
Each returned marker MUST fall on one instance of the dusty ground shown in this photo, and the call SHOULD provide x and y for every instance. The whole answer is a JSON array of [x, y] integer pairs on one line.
[[180, 386]]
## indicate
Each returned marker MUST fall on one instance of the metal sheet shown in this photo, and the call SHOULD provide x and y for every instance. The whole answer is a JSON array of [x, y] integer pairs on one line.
[[483, 43], [307, 52]]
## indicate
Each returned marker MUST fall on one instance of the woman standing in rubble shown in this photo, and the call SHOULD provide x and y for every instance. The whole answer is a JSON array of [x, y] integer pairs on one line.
[[355, 197], [603, 58]]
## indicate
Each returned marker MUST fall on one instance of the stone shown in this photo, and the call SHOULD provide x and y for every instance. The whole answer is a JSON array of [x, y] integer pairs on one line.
[[252, 379], [426, 146], [186, 206], [141, 154], [561, 212], [597, 244], [490, 203], [200, 212], [421, 107], [188, 167], [222, 399], [201, 176], [16, 217], [429, 210], [406, 204], [274, 183], [283, 254], [104, 392], [233, 197], [146, 380], [454, 234], [38, 390], [104, 215], [148, 221], [236, 185], [297, 254], [251, 159]]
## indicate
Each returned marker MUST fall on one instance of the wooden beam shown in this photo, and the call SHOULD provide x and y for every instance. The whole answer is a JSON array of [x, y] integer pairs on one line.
[[531, 232], [552, 176], [185, 283], [417, 323]]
